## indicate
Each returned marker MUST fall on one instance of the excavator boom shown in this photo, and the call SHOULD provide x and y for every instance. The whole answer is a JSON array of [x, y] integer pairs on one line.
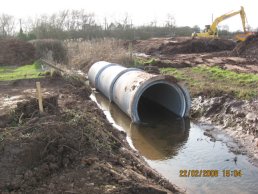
[[212, 31]]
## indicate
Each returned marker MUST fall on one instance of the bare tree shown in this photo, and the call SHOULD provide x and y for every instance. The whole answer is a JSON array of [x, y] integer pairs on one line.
[[63, 17], [6, 25], [126, 22], [171, 24], [154, 22]]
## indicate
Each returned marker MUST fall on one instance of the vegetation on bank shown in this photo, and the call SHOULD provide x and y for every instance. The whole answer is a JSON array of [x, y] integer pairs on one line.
[[22, 72], [213, 81], [144, 62]]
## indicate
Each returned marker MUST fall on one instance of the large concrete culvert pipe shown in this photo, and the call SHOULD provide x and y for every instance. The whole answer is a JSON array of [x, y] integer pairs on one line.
[[128, 88]]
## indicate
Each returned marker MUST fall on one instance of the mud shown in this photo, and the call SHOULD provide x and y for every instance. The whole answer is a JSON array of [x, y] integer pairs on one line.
[[248, 48], [70, 148], [183, 52], [185, 46], [237, 118], [197, 46], [15, 92]]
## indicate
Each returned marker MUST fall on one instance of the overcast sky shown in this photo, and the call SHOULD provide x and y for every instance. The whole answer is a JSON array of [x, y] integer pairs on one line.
[[186, 12]]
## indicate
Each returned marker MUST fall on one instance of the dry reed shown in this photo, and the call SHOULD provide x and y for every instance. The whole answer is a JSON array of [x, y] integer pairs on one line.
[[82, 54]]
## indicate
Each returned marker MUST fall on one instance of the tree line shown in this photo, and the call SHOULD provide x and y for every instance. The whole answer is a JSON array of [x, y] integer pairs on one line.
[[78, 24]]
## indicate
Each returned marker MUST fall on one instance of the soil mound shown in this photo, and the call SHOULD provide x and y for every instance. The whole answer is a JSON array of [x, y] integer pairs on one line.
[[16, 52], [30, 108], [71, 148], [248, 48], [197, 46]]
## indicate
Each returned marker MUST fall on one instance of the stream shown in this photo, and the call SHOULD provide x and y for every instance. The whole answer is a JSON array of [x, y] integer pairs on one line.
[[181, 152]]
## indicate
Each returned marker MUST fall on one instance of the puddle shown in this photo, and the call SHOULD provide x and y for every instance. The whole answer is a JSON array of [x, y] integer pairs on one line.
[[172, 145]]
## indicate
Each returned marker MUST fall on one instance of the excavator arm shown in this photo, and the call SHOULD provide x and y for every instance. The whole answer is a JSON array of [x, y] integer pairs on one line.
[[211, 30], [243, 18], [214, 25]]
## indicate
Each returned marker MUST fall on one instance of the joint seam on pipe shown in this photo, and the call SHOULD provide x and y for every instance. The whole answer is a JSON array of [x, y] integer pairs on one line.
[[100, 71]]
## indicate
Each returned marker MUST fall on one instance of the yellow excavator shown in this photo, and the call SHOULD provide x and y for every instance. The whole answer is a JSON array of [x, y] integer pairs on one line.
[[211, 31]]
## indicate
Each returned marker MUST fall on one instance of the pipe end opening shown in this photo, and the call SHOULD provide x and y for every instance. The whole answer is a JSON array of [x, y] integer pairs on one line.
[[160, 100]]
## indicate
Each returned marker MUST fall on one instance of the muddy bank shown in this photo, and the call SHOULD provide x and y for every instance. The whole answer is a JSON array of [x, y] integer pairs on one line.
[[71, 148], [248, 48], [238, 118], [197, 46]]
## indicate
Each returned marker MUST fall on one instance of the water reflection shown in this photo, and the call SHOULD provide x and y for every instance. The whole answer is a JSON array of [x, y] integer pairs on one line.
[[169, 145], [160, 137]]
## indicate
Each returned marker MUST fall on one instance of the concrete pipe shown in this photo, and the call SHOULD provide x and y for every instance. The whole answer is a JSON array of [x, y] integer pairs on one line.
[[129, 87], [96, 70]]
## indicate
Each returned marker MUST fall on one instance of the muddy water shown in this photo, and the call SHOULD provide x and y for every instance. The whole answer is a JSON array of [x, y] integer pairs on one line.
[[175, 147]]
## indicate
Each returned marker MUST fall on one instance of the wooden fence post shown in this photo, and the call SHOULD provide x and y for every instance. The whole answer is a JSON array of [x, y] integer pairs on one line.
[[39, 94]]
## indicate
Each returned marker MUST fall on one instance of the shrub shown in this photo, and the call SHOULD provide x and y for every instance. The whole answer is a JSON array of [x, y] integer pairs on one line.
[[16, 52], [50, 49]]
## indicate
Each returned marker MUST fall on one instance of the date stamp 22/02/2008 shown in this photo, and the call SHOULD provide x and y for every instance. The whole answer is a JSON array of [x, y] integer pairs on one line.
[[210, 173]]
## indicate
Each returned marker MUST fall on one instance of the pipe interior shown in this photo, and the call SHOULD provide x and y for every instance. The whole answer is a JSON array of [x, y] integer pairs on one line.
[[159, 100]]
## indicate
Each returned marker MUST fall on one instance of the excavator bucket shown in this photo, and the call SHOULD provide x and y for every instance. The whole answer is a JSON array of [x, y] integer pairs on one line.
[[243, 36]]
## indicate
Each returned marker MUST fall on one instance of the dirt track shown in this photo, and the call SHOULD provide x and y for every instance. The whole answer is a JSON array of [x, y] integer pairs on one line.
[[71, 148]]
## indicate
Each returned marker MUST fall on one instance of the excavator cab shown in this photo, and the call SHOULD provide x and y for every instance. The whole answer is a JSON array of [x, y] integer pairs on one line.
[[207, 27], [213, 33], [206, 30]]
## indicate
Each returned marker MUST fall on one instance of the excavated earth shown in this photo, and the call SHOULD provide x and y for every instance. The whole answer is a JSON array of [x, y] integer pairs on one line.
[[249, 48], [183, 52], [70, 148], [182, 45]]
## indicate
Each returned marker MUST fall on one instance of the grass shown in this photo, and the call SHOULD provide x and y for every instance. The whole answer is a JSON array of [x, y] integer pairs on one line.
[[213, 81], [174, 72], [218, 73], [144, 62], [22, 72]]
